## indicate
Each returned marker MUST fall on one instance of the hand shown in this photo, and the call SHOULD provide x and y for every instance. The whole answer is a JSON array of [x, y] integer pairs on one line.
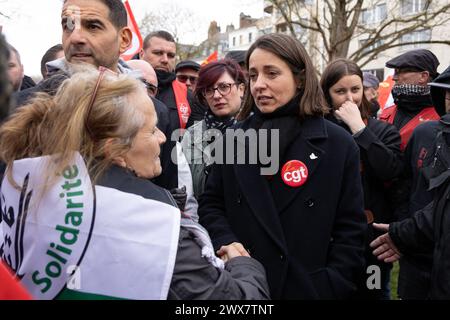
[[180, 196], [384, 248], [231, 251], [350, 114]]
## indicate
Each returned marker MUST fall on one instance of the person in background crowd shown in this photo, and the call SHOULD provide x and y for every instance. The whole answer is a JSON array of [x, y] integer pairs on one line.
[[160, 51], [99, 130], [304, 220], [429, 228], [380, 155], [221, 87], [148, 75], [5, 84], [413, 71], [17, 77], [187, 73], [238, 56], [371, 84], [413, 106], [54, 53]]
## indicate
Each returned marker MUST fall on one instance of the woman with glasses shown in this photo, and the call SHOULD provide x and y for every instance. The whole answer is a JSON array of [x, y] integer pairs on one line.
[[221, 88], [305, 220], [84, 220], [380, 155]]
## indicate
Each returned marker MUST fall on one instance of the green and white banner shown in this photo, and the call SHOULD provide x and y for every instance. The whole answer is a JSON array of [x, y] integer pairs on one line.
[[73, 241]]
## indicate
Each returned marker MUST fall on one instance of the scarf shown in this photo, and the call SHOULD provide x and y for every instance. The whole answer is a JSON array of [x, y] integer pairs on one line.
[[285, 119], [165, 78], [214, 122], [201, 237], [411, 98]]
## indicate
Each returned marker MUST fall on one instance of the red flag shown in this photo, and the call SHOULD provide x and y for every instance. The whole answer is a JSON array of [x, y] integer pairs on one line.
[[212, 57], [10, 288], [136, 44], [384, 93]]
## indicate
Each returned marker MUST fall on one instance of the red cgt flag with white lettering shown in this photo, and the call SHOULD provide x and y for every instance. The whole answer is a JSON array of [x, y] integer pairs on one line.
[[136, 44]]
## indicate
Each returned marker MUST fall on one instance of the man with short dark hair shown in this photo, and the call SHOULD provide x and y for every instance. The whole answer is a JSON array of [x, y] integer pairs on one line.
[[94, 32], [15, 68], [160, 51]]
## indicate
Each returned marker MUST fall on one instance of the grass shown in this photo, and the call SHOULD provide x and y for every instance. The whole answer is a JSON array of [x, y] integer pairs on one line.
[[394, 281]]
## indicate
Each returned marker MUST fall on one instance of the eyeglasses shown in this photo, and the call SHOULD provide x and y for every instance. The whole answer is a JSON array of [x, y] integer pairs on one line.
[[184, 78], [101, 75], [222, 88], [152, 90]]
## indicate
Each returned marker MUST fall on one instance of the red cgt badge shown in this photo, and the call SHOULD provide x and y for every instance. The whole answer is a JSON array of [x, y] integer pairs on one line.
[[294, 173]]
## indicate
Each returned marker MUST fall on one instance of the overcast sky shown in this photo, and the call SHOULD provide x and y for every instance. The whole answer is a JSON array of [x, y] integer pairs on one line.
[[34, 26]]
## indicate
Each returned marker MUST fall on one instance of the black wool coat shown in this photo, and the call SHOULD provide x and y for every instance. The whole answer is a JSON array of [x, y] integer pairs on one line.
[[310, 239]]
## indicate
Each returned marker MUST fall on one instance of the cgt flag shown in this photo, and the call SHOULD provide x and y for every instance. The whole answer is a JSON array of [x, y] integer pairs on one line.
[[212, 57], [136, 44], [385, 98]]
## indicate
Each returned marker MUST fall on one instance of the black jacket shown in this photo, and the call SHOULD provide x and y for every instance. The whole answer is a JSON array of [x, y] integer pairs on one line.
[[428, 231], [310, 239], [381, 161], [167, 96], [414, 279]]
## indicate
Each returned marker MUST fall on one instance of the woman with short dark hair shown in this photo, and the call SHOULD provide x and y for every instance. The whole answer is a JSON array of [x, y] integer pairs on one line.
[[220, 87]]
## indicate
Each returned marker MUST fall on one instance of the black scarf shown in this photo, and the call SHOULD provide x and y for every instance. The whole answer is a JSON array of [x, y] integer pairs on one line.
[[214, 122], [285, 119], [409, 106], [165, 78]]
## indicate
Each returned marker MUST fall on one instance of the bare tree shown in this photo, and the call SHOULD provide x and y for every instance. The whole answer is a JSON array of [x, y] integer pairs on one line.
[[335, 23], [175, 20]]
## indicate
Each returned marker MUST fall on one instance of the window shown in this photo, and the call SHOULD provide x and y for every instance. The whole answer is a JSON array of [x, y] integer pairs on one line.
[[241, 40], [234, 41], [373, 46], [375, 14], [265, 31], [415, 36], [250, 36], [412, 6]]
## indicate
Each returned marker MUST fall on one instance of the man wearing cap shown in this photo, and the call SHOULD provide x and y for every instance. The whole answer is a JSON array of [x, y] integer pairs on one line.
[[428, 230], [413, 106], [371, 84], [159, 49], [187, 73]]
